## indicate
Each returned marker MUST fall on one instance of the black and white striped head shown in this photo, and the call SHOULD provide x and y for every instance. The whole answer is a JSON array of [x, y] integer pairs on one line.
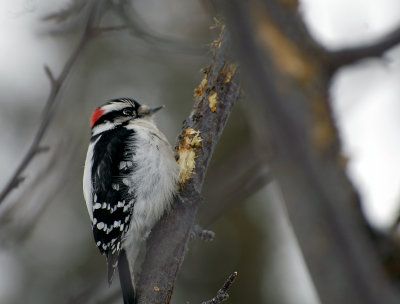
[[118, 112]]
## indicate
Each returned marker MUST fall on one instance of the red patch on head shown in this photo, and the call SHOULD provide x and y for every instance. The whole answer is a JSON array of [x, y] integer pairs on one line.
[[95, 116]]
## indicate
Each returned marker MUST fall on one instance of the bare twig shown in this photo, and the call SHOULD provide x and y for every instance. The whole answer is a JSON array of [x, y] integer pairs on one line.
[[127, 13], [214, 99], [42, 149], [57, 84], [74, 8], [73, 16], [106, 29], [222, 293], [49, 73], [13, 230]]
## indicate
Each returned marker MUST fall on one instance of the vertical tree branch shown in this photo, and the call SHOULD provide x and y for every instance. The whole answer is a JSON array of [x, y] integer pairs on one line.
[[214, 99]]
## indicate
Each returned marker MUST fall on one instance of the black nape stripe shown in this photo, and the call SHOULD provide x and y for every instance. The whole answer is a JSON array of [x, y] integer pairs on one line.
[[130, 103], [112, 116]]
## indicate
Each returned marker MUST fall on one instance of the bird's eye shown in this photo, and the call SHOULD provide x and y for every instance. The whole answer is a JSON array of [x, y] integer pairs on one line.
[[127, 111]]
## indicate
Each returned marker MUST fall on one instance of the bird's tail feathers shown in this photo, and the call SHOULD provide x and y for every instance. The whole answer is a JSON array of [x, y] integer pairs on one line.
[[112, 262], [126, 279]]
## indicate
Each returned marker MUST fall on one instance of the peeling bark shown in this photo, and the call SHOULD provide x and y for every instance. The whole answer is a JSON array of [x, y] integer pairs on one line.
[[201, 131]]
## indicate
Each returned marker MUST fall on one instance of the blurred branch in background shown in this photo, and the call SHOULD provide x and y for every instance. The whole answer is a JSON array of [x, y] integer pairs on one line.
[[56, 87], [232, 180], [73, 16], [286, 74], [214, 99], [12, 231], [340, 58], [138, 28]]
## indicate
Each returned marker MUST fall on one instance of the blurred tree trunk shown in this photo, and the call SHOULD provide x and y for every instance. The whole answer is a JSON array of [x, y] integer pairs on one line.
[[287, 76]]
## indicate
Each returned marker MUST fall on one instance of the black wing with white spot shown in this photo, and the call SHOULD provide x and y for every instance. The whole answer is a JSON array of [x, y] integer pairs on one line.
[[113, 199]]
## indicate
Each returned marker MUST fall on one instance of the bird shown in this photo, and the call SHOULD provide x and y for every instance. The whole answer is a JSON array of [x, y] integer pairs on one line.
[[129, 181]]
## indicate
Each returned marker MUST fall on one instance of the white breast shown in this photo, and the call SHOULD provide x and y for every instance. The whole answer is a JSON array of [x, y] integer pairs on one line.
[[155, 176]]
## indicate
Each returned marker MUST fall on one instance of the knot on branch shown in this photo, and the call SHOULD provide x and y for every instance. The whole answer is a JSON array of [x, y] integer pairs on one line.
[[203, 234]]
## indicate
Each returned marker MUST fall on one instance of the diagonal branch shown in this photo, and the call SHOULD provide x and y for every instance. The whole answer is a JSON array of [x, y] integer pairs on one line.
[[222, 293], [130, 17], [229, 191], [214, 99], [56, 87]]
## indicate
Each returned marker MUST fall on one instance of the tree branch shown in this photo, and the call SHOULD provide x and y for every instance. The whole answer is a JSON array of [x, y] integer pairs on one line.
[[229, 191], [337, 59], [214, 99], [135, 23], [73, 8], [222, 293], [56, 86]]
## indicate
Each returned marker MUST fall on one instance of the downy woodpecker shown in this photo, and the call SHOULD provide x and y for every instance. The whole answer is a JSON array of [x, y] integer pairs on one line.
[[129, 180]]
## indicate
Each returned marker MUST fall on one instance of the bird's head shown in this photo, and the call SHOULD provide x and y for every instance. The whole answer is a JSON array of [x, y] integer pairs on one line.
[[120, 111]]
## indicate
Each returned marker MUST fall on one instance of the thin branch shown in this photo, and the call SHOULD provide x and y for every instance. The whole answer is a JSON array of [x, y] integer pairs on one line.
[[337, 59], [72, 17], [127, 13], [214, 99], [74, 8], [106, 29], [16, 230], [57, 84], [233, 192], [222, 293], [42, 149], [17, 181], [49, 73]]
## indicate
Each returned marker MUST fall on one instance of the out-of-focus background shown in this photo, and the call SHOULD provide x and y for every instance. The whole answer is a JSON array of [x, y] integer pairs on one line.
[[47, 254]]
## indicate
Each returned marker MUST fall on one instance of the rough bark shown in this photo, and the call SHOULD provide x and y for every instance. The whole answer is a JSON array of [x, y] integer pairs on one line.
[[166, 246]]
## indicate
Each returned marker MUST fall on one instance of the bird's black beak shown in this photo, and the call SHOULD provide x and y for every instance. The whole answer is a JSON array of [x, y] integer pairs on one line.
[[155, 109], [145, 110]]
